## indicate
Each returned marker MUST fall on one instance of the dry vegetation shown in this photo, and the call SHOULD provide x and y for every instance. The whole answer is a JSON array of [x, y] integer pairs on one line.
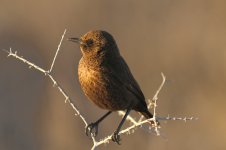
[[135, 123], [183, 39]]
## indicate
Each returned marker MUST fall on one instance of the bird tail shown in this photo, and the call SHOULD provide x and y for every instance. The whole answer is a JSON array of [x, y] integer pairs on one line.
[[148, 115]]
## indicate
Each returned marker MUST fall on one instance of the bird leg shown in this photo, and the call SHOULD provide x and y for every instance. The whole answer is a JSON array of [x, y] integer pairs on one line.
[[115, 137], [92, 128]]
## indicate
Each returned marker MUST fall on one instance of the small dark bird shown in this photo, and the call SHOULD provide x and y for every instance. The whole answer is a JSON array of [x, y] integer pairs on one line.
[[106, 79]]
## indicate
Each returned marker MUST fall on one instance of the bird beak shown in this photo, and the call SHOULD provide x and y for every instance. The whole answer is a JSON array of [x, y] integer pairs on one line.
[[76, 40]]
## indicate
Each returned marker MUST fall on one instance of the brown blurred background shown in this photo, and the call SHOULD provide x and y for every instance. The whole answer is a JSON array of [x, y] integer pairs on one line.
[[184, 39]]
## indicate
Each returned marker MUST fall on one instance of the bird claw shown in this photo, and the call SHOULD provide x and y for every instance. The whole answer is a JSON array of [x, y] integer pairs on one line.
[[116, 137], [92, 130]]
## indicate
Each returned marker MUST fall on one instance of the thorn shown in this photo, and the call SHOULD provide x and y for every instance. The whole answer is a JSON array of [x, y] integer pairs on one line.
[[46, 73], [168, 117], [10, 50], [66, 100], [54, 84]]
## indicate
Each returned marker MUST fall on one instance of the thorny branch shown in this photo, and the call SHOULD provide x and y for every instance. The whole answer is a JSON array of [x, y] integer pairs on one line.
[[128, 130]]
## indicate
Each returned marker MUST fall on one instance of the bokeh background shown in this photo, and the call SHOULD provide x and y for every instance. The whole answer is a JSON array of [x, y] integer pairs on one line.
[[186, 40]]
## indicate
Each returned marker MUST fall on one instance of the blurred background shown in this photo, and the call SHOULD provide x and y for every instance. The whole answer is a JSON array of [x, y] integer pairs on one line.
[[186, 40]]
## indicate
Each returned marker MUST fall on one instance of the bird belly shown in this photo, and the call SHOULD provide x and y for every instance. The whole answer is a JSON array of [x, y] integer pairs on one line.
[[101, 91]]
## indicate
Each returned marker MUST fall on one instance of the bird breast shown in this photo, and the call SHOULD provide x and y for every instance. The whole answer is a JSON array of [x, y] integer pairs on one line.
[[99, 88]]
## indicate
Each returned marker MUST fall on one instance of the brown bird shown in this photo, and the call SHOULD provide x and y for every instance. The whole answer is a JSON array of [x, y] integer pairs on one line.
[[106, 79]]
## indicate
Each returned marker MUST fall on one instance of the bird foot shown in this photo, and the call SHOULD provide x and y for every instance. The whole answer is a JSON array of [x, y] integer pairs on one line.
[[116, 137], [92, 129]]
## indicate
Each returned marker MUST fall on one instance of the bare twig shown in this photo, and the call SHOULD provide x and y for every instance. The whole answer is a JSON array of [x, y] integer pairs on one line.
[[127, 130], [30, 64], [185, 119], [153, 102], [57, 51], [48, 74]]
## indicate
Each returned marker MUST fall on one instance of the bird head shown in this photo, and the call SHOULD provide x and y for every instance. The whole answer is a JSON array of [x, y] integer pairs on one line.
[[96, 42]]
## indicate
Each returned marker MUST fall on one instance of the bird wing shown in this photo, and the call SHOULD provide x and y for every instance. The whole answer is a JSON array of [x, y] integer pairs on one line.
[[131, 84], [121, 73]]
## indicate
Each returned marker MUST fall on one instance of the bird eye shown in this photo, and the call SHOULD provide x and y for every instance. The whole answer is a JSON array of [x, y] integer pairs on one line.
[[89, 42]]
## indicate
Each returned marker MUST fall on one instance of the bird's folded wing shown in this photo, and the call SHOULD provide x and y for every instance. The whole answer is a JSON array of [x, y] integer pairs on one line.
[[123, 75]]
